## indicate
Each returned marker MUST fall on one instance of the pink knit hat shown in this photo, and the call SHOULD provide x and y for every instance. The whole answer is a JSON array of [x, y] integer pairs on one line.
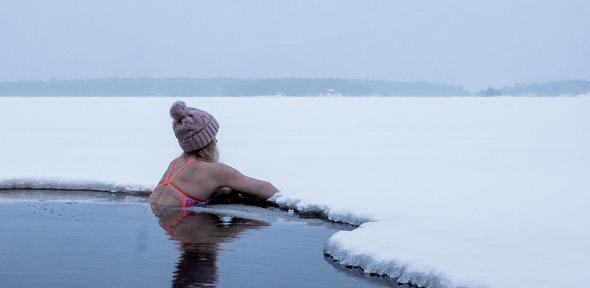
[[194, 128]]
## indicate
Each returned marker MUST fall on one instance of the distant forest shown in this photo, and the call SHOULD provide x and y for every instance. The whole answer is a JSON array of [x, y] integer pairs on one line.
[[273, 87], [552, 88], [225, 87]]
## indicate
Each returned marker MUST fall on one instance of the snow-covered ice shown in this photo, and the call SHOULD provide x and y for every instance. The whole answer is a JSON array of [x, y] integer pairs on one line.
[[490, 192]]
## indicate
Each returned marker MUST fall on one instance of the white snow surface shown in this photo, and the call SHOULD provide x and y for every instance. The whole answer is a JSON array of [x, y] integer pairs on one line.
[[459, 191]]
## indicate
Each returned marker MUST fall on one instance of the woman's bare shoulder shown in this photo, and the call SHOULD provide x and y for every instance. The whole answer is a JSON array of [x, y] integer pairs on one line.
[[216, 169]]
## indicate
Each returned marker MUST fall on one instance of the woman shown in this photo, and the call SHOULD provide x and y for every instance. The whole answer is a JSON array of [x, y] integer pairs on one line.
[[195, 177]]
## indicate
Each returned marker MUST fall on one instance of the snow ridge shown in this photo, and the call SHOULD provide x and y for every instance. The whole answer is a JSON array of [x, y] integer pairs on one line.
[[59, 184], [318, 210], [371, 265]]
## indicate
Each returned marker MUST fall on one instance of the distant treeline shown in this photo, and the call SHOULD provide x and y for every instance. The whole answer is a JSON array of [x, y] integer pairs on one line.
[[282, 86], [225, 87], [552, 88]]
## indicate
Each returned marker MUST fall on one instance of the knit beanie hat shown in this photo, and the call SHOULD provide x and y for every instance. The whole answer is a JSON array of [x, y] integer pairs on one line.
[[194, 128]]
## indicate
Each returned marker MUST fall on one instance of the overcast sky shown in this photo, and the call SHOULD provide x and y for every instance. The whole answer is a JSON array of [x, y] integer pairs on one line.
[[465, 42]]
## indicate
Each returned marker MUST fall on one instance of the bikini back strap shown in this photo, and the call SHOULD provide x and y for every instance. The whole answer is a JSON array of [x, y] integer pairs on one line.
[[170, 176], [187, 201]]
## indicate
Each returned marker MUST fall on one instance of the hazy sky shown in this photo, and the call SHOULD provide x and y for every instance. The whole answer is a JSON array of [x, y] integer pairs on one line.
[[465, 42]]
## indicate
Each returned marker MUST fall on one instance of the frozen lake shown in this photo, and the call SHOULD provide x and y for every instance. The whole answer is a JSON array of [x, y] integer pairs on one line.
[[486, 192]]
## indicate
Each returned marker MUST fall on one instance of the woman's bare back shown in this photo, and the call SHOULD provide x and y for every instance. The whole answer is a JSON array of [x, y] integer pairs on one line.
[[202, 180], [190, 175]]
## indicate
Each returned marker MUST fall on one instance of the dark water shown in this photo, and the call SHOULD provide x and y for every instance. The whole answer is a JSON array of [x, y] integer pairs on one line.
[[130, 244]]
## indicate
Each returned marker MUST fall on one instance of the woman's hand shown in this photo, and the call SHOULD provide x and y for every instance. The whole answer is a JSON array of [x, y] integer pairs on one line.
[[224, 195]]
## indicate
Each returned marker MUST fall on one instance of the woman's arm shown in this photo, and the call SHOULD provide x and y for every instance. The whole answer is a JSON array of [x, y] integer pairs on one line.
[[226, 176]]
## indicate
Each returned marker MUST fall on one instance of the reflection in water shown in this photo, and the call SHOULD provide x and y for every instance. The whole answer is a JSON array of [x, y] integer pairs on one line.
[[199, 235]]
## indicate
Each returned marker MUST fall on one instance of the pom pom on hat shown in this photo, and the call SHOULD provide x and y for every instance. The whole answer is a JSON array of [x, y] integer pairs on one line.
[[178, 110]]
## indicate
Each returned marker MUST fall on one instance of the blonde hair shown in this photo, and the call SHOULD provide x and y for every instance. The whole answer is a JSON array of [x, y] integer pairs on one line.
[[209, 153]]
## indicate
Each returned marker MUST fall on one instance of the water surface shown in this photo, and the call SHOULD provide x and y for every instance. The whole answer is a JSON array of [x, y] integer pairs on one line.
[[99, 241]]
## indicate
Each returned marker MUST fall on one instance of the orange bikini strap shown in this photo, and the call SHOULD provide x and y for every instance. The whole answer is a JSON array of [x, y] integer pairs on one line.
[[181, 168], [170, 172], [169, 177]]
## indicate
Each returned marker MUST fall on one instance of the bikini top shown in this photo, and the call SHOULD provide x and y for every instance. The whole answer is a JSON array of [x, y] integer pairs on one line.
[[187, 201]]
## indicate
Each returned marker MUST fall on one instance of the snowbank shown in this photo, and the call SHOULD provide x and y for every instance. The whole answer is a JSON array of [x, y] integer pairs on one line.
[[67, 184], [471, 192]]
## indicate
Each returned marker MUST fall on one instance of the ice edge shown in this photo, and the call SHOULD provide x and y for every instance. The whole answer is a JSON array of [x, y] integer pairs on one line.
[[366, 263], [56, 184], [392, 269]]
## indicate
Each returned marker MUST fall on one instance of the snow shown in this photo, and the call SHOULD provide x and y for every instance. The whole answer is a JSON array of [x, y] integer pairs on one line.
[[78, 185], [459, 191]]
